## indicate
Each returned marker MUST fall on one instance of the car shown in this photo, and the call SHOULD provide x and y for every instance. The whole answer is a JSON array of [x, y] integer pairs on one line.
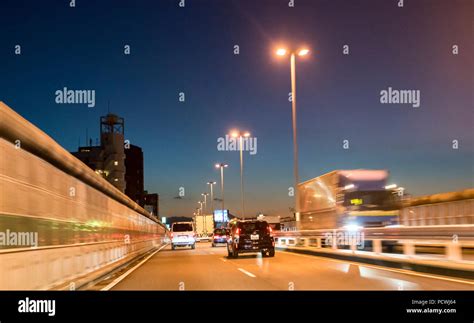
[[182, 234], [250, 236], [220, 236]]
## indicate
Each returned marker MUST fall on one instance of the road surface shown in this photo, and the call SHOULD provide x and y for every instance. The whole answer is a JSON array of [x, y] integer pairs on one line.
[[207, 268]]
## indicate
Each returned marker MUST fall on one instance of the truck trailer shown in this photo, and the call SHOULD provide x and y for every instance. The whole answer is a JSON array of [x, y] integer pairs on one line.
[[204, 227], [348, 198]]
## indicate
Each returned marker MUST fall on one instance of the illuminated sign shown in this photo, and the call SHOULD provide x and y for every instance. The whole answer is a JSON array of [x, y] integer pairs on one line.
[[220, 216], [356, 201]]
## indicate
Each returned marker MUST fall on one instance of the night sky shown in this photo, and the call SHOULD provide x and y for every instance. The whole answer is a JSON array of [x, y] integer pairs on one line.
[[191, 50]]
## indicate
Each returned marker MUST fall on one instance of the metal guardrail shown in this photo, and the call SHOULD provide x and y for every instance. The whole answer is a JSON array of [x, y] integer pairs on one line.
[[461, 232], [376, 240]]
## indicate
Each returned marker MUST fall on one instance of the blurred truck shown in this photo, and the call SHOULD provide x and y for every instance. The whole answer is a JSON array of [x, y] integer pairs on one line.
[[204, 227], [348, 198]]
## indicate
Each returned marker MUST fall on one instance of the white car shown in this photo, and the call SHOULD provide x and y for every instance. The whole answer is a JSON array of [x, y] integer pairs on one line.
[[182, 235]]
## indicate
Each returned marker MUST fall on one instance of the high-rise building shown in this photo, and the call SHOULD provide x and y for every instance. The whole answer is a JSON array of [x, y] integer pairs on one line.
[[108, 159], [134, 173], [112, 142], [120, 164]]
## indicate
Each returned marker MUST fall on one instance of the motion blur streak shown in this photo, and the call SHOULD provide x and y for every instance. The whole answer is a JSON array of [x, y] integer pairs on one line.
[[84, 224]]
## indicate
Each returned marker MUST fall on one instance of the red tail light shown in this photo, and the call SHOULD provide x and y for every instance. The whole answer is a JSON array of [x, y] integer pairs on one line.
[[270, 231], [171, 235], [237, 231]]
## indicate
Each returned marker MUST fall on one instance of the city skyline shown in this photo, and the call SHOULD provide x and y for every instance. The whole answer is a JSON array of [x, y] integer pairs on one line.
[[339, 96]]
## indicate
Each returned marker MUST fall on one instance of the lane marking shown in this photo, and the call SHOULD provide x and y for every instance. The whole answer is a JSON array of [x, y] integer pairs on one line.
[[224, 260], [247, 272], [122, 277], [399, 271]]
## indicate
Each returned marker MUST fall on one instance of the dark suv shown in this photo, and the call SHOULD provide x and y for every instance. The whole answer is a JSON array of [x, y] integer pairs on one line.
[[250, 236]]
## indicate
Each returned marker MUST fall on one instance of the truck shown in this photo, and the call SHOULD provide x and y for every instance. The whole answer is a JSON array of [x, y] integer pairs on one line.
[[348, 198], [204, 225]]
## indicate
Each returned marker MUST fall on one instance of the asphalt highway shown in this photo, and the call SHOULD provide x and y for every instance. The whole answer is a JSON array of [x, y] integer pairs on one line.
[[208, 268]]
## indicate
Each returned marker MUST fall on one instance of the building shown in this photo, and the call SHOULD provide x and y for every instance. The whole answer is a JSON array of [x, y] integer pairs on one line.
[[108, 159], [92, 156], [151, 203], [134, 174], [112, 142], [120, 164]]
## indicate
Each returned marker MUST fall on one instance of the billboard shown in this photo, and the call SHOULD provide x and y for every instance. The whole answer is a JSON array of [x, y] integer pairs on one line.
[[220, 216]]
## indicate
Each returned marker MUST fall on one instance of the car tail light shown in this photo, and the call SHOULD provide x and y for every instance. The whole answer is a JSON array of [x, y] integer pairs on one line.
[[237, 232], [217, 236], [171, 235]]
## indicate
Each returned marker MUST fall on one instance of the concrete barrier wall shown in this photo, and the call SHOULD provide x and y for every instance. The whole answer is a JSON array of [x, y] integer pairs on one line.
[[82, 224]]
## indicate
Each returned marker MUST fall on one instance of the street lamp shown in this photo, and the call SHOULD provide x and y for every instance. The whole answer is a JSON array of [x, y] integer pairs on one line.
[[203, 216], [211, 184], [293, 53], [241, 135], [221, 166], [205, 211], [200, 206], [196, 213], [205, 201]]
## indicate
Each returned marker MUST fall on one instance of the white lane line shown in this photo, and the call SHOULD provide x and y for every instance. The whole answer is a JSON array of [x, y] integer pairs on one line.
[[224, 260], [247, 272], [399, 271], [120, 278]]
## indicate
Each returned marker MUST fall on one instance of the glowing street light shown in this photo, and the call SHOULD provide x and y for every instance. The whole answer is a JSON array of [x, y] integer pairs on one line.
[[303, 52], [281, 52], [293, 53]]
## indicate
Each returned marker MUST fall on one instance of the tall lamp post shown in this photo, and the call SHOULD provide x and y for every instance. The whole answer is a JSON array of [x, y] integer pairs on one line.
[[196, 213], [200, 211], [205, 211], [200, 207], [240, 135], [205, 201], [211, 184], [293, 53], [221, 166]]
